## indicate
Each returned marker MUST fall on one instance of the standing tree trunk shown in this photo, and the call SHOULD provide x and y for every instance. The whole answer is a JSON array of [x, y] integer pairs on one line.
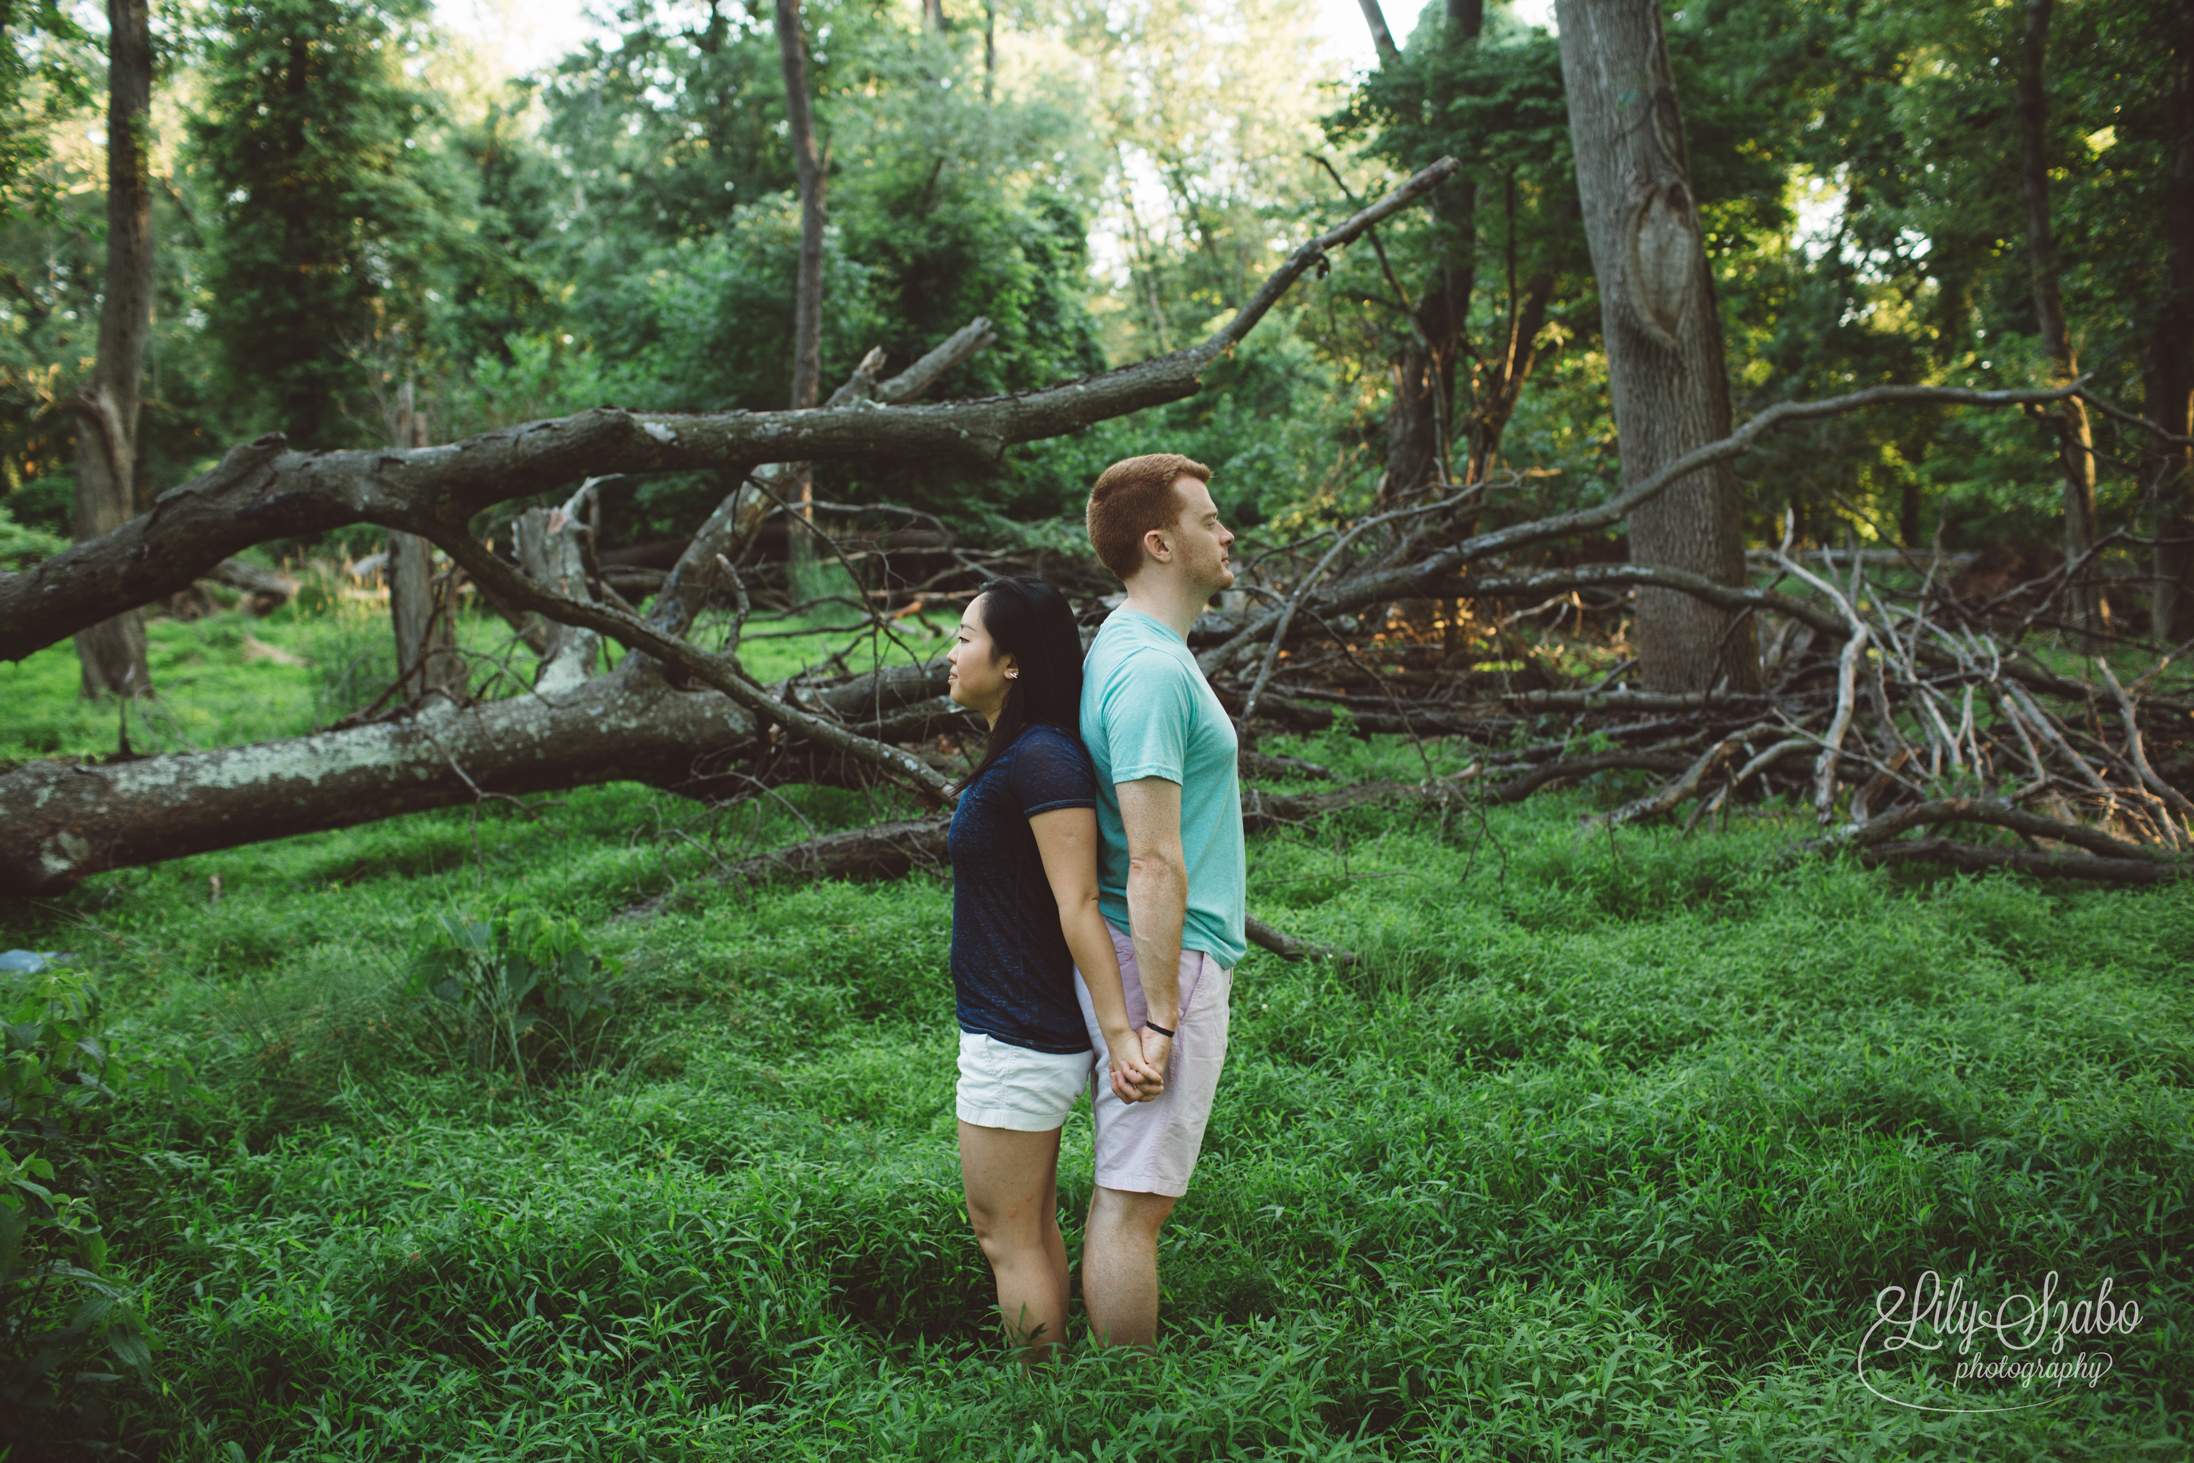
[[1419, 437], [1664, 336], [2170, 373], [1501, 377], [426, 640], [2075, 446], [807, 316], [113, 651]]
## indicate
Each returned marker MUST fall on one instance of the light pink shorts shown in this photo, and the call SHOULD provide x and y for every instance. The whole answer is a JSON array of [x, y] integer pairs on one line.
[[1151, 1147]]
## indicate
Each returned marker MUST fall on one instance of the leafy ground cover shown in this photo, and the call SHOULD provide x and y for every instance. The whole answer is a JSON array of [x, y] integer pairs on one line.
[[1605, 1150]]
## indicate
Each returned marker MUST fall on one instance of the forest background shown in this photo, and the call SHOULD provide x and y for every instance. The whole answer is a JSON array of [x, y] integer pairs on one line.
[[620, 226], [1599, 1144]]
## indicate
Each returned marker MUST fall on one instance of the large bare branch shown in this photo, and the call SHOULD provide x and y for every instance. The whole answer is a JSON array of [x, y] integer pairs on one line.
[[263, 490], [1436, 571]]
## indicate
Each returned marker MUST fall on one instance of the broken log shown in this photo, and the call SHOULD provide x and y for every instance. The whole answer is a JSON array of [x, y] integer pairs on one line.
[[264, 590], [66, 821]]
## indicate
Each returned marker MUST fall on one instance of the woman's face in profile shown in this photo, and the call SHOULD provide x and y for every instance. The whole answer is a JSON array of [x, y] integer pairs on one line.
[[978, 677]]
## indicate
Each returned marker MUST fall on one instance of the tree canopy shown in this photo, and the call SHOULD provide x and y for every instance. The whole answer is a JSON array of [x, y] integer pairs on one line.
[[344, 204]]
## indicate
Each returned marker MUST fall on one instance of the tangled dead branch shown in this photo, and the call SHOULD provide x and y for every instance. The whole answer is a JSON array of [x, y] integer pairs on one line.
[[1878, 702]]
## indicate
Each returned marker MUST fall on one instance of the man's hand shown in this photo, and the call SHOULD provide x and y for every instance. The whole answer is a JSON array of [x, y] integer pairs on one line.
[[1157, 1053]]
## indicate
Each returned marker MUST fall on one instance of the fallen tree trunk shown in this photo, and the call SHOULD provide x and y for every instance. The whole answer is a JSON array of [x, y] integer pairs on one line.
[[1975, 859], [264, 590], [67, 821], [262, 490]]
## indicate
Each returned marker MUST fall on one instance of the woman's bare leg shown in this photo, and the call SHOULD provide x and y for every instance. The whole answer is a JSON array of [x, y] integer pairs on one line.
[[1012, 1181]]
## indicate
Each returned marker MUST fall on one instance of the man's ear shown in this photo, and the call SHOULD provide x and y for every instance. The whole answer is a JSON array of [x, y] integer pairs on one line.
[[1155, 545]]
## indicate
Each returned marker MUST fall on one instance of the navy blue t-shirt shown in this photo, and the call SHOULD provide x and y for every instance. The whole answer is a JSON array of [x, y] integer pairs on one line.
[[1011, 972]]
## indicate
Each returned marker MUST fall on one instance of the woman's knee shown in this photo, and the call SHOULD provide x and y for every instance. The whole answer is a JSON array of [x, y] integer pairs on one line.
[[1008, 1242], [1007, 1229]]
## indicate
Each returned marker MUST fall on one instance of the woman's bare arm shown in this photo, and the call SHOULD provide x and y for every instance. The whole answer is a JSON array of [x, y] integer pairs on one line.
[[1067, 840]]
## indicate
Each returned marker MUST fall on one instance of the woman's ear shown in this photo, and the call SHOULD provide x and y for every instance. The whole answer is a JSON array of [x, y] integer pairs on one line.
[[1011, 667]]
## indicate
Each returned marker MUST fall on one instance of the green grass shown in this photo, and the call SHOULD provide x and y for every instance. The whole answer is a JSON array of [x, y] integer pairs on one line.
[[1603, 1153]]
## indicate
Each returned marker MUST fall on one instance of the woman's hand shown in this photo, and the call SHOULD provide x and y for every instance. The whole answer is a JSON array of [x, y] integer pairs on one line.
[[1134, 1079]]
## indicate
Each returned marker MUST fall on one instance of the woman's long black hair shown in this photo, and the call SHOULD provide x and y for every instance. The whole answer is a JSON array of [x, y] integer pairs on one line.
[[1032, 622]]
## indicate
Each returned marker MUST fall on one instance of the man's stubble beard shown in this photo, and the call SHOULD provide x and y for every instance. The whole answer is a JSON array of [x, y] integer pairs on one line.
[[1221, 577]]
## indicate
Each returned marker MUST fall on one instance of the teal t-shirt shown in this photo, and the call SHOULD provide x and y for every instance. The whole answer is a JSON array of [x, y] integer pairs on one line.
[[1147, 711]]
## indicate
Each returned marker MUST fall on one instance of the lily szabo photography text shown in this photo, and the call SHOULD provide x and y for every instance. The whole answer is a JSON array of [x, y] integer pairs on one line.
[[1198, 729], [2024, 1351]]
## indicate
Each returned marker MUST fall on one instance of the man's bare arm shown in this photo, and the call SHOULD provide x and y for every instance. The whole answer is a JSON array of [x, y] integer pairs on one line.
[[1157, 896]]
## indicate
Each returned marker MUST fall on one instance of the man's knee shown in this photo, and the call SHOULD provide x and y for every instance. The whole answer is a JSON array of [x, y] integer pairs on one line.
[[1125, 1209]]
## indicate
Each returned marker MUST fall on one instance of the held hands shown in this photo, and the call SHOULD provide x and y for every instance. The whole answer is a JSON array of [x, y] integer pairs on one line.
[[1138, 1073]]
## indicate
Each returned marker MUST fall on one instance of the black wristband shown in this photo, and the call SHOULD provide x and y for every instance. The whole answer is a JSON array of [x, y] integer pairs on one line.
[[1154, 1026]]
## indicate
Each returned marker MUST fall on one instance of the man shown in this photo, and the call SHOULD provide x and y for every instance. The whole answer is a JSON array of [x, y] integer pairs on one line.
[[1171, 869]]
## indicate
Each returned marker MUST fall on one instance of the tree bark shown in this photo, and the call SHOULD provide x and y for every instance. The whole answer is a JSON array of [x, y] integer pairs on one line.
[[113, 652], [1382, 39], [2170, 368], [548, 550], [2075, 444], [261, 490], [426, 639], [1663, 332], [807, 314], [66, 822]]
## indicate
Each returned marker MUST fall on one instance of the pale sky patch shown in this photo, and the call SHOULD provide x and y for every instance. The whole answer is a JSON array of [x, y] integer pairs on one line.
[[532, 34]]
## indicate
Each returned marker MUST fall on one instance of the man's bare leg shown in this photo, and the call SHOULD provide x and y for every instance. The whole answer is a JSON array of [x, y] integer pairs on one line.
[[1120, 1265]]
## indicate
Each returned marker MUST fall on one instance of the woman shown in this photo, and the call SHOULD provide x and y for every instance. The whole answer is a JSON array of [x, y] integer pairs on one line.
[[1024, 916]]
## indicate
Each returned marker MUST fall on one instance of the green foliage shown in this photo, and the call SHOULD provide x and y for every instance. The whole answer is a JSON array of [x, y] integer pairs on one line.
[[1275, 423], [63, 1309], [525, 984], [21, 545], [42, 79], [1604, 1149], [943, 207], [332, 225]]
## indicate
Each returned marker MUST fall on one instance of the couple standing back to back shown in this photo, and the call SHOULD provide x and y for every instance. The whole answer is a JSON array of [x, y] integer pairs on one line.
[[1098, 882]]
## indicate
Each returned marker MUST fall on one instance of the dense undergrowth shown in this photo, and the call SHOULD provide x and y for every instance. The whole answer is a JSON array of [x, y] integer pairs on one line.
[[1604, 1151]]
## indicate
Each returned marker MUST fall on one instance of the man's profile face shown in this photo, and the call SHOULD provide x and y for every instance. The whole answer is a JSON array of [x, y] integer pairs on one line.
[[1200, 540]]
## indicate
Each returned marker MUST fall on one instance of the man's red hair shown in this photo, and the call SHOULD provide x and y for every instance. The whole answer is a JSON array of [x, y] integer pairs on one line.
[[1131, 498]]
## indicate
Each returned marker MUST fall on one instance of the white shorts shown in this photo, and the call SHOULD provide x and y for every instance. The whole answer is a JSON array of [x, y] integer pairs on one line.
[[1008, 1086]]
